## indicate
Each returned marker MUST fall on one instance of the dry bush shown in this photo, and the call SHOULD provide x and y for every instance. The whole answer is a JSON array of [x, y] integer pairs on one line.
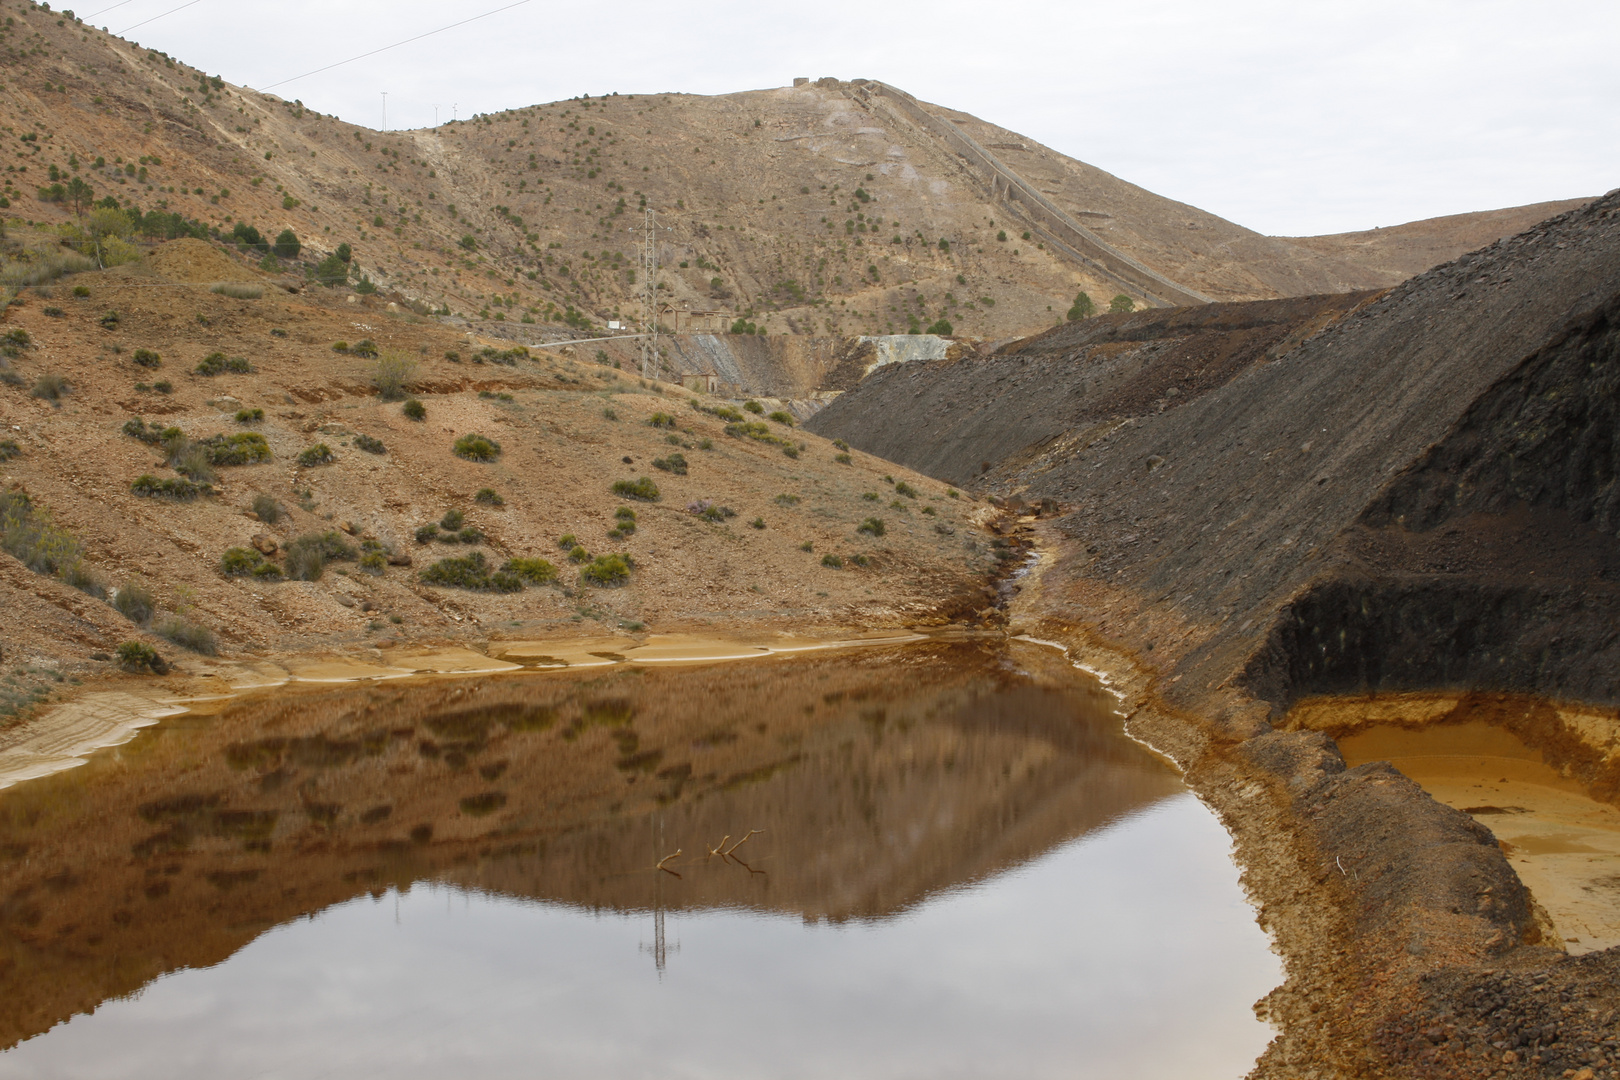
[[393, 372]]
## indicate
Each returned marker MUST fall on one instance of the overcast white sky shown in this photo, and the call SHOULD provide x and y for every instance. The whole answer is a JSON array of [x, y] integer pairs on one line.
[[1288, 116]]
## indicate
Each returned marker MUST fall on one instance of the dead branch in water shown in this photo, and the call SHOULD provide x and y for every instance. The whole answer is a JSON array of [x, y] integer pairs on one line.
[[740, 843], [660, 866], [716, 849]]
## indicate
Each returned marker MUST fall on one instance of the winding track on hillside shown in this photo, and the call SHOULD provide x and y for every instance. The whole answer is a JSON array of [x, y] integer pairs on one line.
[[1020, 197]]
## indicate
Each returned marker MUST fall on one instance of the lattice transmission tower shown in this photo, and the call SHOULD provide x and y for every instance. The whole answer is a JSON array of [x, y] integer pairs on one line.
[[649, 312]]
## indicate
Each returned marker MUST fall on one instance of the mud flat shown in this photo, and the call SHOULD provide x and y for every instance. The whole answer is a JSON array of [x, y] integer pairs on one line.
[[1558, 832]]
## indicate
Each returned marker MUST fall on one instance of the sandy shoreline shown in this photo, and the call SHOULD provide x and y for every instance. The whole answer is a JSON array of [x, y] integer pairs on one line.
[[65, 735]]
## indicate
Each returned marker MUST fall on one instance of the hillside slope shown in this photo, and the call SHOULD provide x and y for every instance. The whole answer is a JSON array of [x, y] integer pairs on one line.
[[814, 209], [100, 365]]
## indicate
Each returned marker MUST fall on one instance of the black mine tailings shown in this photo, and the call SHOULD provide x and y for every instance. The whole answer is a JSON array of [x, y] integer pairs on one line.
[[954, 419], [1412, 490]]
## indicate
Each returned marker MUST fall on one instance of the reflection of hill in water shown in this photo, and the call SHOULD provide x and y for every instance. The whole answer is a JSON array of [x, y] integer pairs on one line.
[[869, 815], [879, 778]]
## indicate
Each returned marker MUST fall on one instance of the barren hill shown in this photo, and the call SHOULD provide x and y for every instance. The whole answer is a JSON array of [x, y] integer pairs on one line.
[[831, 208]]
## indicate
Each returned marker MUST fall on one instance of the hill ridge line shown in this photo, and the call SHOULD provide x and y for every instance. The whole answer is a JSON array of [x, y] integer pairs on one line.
[[1007, 186]]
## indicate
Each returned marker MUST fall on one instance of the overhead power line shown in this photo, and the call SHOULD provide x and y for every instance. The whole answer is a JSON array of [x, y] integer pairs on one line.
[[155, 18], [395, 45], [104, 10]]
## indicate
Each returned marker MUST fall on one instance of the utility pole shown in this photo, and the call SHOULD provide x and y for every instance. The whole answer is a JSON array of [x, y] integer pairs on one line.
[[435, 114], [385, 110], [649, 317]]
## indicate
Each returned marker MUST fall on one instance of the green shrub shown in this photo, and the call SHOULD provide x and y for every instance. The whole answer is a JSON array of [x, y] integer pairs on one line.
[[609, 414], [139, 656], [661, 420], [757, 523], [871, 496], [146, 358], [249, 416], [624, 513], [308, 555], [414, 409], [179, 489], [427, 534], [674, 463], [1121, 303], [568, 541], [787, 500], [246, 562], [579, 555], [860, 560], [929, 510], [754, 407], [844, 459], [370, 445], [187, 635], [872, 526], [643, 489], [841, 444], [807, 546], [239, 290], [716, 513], [470, 535], [9, 449], [287, 245], [151, 436], [51, 387], [753, 429], [790, 450], [217, 363], [833, 561], [470, 572], [366, 349], [607, 571], [319, 454], [29, 536], [374, 563], [135, 602], [532, 571], [394, 369], [266, 509], [488, 497], [194, 462], [452, 520], [340, 346], [163, 386], [243, 448], [781, 417], [903, 488], [475, 447]]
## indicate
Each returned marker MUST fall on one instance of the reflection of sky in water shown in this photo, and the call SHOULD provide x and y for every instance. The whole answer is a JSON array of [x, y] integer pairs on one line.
[[1129, 949]]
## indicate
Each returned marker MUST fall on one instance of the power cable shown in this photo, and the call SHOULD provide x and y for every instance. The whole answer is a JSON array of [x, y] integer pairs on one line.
[[395, 45], [104, 10], [155, 18]]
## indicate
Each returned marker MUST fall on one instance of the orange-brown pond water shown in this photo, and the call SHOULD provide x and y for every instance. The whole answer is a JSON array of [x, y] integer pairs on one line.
[[955, 865]]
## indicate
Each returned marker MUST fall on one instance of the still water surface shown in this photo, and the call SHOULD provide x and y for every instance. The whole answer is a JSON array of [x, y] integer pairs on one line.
[[964, 870]]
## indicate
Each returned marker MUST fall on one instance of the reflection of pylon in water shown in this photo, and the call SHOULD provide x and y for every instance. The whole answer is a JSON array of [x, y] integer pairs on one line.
[[660, 945]]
